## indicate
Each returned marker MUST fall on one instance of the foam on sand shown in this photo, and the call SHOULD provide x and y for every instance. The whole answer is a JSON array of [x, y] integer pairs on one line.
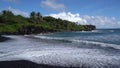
[[61, 54]]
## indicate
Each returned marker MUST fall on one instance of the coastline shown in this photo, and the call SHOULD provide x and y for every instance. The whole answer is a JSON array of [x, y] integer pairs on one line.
[[29, 64], [2, 38], [29, 52], [26, 64]]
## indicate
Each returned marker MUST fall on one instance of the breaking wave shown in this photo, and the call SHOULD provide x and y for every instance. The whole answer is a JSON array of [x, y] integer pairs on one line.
[[32, 48], [115, 46]]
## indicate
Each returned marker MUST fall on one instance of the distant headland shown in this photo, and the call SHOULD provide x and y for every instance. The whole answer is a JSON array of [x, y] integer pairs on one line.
[[36, 23]]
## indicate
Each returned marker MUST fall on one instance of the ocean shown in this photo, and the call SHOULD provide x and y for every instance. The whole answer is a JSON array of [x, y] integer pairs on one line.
[[92, 49], [110, 36]]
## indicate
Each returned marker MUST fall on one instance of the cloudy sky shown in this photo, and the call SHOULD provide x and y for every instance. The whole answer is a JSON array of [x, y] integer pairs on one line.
[[102, 13]]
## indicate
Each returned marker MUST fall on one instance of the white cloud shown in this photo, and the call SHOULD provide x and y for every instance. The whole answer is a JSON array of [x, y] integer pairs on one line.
[[99, 21], [18, 12], [70, 17], [52, 4], [102, 22]]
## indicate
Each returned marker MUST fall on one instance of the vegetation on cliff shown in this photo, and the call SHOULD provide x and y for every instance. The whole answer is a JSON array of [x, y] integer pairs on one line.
[[36, 23]]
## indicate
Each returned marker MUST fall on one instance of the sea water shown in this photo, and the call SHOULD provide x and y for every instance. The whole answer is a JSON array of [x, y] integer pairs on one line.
[[111, 36], [96, 49]]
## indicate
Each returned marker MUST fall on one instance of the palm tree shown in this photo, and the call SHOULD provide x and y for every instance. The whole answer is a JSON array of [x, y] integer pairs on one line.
[[33, 15], [39, 16], [7, 13]]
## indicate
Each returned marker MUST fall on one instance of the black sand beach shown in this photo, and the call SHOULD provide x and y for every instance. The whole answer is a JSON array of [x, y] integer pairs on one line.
[[2, 39], [35, 52], [26, 64], [29, 64]]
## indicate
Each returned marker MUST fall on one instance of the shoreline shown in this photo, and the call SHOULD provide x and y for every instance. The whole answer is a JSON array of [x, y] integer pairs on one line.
[[37, 49], [2, 38], [27, 64], [43, 33]]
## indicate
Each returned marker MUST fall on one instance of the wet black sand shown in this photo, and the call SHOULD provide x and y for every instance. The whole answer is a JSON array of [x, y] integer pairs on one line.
[[26, 64], [2, 39], [17, 40]]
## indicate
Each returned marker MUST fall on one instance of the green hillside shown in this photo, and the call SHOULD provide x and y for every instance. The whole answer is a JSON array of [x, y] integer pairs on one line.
[[36, 23]]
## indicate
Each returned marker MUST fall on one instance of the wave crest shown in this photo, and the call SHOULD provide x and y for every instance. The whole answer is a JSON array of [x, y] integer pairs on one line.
[[81, 41]]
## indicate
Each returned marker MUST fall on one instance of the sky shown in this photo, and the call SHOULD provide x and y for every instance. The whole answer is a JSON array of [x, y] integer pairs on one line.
[[101, 13]]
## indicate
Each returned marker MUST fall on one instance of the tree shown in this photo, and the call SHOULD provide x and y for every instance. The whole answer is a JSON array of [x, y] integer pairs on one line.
[[5, 16], [32, 15], [10, 23], [39, 15], [7, 13]]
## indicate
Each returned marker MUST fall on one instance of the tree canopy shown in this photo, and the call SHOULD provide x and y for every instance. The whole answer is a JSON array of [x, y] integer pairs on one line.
[[36, 23]]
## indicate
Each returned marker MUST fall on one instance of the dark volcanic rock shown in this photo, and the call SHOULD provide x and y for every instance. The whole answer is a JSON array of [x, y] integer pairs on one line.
[[2, 39]]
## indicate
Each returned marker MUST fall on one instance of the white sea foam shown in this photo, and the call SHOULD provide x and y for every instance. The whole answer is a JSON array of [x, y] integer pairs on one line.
[[98, 43], [45, 37], [82, 41], [45, 53]]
